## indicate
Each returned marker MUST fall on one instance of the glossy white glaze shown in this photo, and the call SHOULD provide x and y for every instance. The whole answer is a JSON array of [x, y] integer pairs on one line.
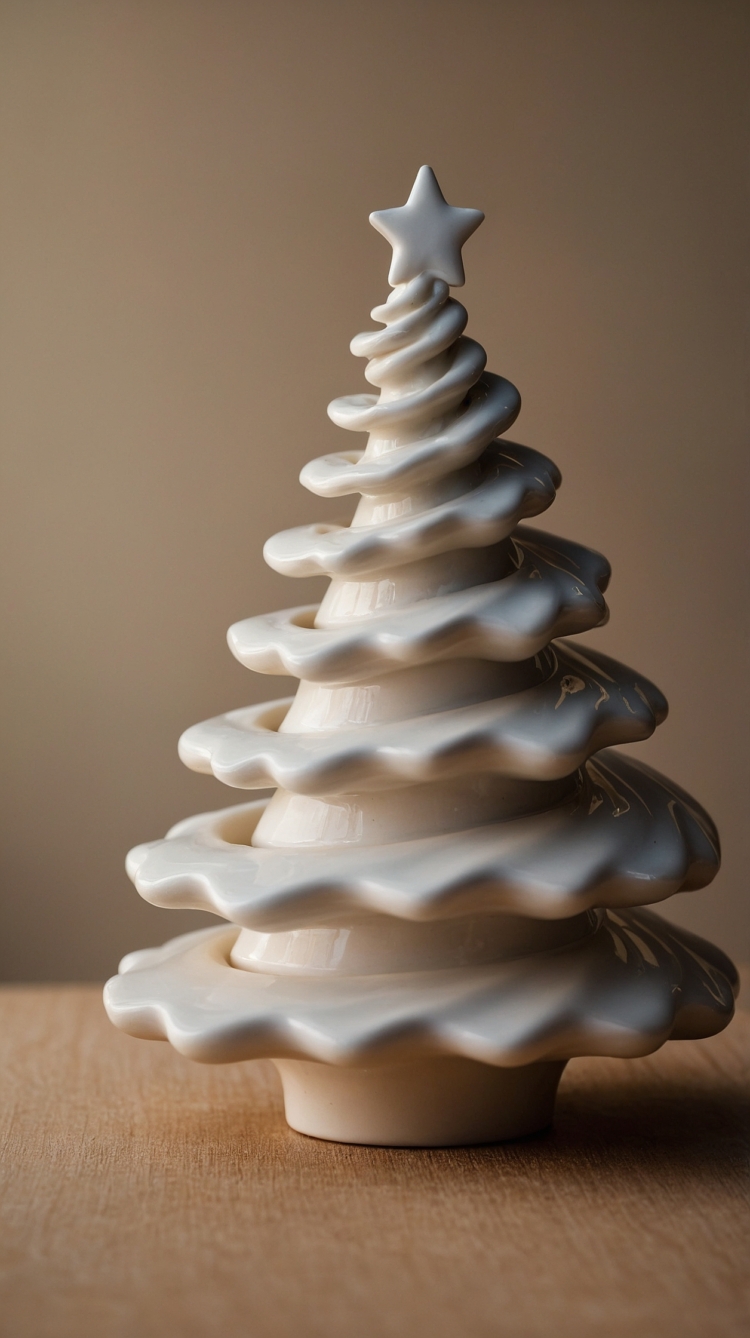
[[622, 985], [428, 917]]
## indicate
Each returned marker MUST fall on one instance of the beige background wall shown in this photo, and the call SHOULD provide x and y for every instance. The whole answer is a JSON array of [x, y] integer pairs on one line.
[[186, 255]]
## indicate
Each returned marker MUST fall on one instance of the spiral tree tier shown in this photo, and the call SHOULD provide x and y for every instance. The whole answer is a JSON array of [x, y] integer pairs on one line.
[[440, 904]]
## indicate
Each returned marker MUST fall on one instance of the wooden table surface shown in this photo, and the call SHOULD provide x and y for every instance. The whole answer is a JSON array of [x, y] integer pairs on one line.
[[144, 1195]]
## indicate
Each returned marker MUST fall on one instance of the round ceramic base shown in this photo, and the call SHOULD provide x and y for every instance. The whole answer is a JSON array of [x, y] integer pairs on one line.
[[419, 1103]]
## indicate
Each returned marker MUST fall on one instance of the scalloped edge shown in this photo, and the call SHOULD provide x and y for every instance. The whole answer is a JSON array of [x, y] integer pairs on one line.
[[631, 985], [628, 838], [476, 519], [541, 733], [493, 404], [508, 619]]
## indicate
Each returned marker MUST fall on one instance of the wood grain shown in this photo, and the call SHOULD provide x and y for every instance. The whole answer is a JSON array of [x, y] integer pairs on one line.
[[144, 1195]]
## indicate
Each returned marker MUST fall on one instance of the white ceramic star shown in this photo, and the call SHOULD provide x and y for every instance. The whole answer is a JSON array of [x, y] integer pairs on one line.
[[426, 233]]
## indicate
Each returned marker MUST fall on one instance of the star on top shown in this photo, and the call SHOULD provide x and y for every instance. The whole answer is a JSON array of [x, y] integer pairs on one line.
[[426, 233]]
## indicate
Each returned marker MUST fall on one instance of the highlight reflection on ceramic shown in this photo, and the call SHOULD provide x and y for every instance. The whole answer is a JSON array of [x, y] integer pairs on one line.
[[446, 878]]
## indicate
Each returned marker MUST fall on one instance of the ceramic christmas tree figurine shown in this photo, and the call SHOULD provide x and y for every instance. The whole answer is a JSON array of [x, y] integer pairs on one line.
[[438, 906]]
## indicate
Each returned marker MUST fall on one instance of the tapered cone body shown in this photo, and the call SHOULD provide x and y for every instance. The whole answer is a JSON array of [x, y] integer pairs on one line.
[[441, 903]]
